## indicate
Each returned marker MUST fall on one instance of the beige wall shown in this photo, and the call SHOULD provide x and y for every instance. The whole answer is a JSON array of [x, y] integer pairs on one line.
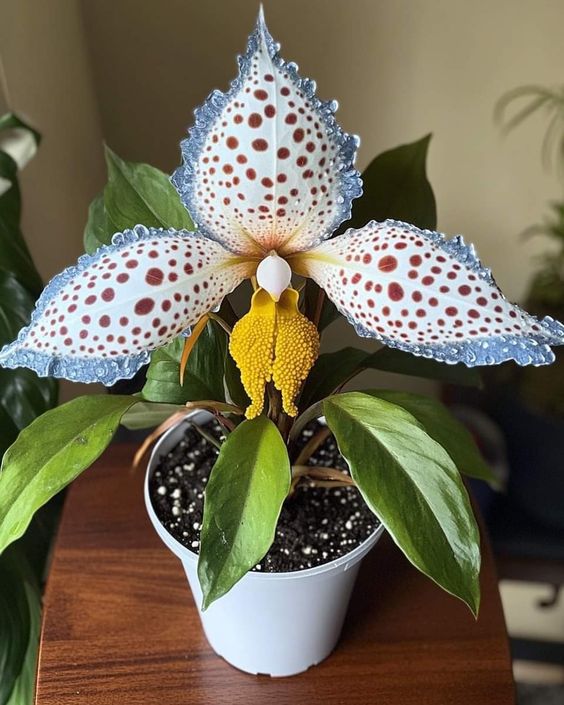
[[48, 80], [399, 68]]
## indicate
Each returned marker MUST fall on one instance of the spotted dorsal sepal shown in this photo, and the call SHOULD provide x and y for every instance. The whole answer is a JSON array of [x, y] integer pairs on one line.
[[266, 165]]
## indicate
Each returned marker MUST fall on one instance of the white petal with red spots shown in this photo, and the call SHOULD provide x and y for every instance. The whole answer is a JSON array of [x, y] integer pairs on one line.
[[98, 321], [266, 165], [419, 292]]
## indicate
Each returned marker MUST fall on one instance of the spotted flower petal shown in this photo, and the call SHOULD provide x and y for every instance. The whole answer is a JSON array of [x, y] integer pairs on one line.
[[98, 321], [266, 166], [419, 292]]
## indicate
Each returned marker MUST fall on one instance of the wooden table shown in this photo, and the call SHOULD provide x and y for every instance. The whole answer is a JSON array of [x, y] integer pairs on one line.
[[120, 625]]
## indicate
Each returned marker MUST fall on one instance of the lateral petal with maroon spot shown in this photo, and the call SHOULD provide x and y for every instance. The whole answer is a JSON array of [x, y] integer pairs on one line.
[[98, 321], [266, 165], [419, 292]]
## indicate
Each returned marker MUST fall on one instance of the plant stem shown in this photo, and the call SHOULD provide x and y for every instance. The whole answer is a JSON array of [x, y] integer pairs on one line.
[[214, 317], [313, 412], [321, 472], [224, 421], [215, 406], [312, 445], [320, 477], [318, 307], [207, 436]]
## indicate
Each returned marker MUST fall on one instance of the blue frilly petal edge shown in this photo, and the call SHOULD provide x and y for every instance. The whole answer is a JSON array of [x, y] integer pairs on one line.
[[106, 371], [532, 349], [206, 115]]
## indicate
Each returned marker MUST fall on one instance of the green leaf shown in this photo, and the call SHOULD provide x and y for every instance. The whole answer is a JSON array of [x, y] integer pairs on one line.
[[11, 121], [15, 257], [139, 193], [99, 228], [148, 415], [444, 428], [51, 452], [24, 397], [18, 141], [18, 144], [10, 198], [14, 625], [23, 692], [233, 382], [404, 363], [395, 186], [8, 430], [15, 305], [410, 482], [329, 372], [20, 617], [203, 377], [247, 487], [332, 370]]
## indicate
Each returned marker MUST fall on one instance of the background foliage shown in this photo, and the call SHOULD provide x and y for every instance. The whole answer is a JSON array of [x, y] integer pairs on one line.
[[23, 397]]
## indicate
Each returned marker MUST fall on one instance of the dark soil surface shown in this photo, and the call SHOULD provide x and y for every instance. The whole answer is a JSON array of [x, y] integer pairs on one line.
[[317, 524]]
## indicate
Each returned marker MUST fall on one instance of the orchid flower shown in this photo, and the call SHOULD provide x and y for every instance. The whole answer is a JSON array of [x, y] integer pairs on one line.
[[268, 177]]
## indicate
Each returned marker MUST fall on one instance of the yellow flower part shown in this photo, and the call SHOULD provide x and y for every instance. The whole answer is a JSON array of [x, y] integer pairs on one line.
[[274, 342]]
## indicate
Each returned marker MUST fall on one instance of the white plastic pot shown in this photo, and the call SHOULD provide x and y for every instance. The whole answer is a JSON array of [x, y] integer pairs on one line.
[[278, 624]]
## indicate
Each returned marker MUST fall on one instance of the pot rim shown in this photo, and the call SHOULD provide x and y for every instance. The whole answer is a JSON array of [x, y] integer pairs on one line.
[[184, 553]]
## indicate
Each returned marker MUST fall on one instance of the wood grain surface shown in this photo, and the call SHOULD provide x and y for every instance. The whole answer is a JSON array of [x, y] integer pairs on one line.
[[120, 626]]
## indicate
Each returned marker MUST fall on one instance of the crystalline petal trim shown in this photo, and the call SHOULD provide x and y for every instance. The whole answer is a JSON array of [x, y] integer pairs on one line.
[[305, 214], [417, 291], [99, 320]]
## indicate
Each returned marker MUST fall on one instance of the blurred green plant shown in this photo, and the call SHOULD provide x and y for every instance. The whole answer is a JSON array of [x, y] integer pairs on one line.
[[23, 397], [519, 104], [544, 390]]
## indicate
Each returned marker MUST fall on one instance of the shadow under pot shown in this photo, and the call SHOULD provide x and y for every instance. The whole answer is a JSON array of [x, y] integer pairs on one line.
[[274, 623]]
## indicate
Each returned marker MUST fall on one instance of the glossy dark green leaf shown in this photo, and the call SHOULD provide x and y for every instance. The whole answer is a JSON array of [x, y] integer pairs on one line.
[[51, 452], [10, 196], [332, 370], [14, 625], [11, 121], [395, 185], [15, 257], [247, 487], [412, 485], [139, 193], [99, 228], [203, 377], [18, 141], [403, 363], [444, 428], [20, 616], [233, 382], [14, 254], [23, 692], [329, 372], [8, 430], [23, 397], [16, 303]]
